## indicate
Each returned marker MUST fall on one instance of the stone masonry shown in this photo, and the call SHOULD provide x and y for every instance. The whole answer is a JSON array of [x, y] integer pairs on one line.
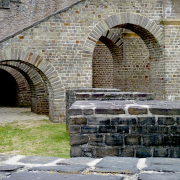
[[133, 125], [52, 45]]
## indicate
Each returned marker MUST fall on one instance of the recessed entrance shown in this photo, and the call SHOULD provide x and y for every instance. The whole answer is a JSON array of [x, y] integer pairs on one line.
[[8, 90]]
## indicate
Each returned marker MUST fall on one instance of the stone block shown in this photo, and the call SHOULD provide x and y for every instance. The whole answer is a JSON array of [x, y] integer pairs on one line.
[[96, 139], [102, 152], [98, 121], [80, 96], [174, 153], [127, 152], [164, 111], [166, 120], [75, 129], [78, 139], [175, 129], [75, 151], [6, 3], [75, 112], [109, 111], [138, 129], [123, 129], [152, 140], [114, 140], [88, 112], [178, 120], [135, 110], [160, 152], [146, 120], [132, 140], [171, 141], [123, 121], [107, 129], [88, 129], [78, 121], [143, 152], [157, 129]]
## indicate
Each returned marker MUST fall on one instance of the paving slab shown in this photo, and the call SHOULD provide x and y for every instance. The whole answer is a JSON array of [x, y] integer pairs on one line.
[[162, 164], [146, 176], [121, 165], [38, 159], [10, 167], [5, 157], [76, 160], [3, 175], [66, 168], [57, 176]]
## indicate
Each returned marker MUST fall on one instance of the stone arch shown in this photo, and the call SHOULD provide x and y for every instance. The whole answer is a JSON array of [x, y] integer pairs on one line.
[[40, 73], [149, 32], [24, 91]]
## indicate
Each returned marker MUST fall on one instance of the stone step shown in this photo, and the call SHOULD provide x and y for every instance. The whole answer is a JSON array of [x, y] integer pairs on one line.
[[114, 96]]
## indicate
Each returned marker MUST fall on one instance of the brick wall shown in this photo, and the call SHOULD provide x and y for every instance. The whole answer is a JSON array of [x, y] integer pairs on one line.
[[102, 67]]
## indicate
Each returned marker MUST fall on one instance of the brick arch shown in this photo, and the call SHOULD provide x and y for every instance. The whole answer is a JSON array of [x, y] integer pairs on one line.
[[150, 33], [37, 69], [24, 91]]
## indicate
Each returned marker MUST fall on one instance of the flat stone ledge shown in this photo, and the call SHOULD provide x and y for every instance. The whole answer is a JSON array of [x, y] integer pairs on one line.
[[135, 107]]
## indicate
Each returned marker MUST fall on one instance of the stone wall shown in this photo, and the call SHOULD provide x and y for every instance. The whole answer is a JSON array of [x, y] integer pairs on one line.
[[125, 128]]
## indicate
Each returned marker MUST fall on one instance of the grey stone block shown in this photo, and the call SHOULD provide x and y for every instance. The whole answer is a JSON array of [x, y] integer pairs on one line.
[[76, 160], [127, 152], [152, 140], [78, 139], [147, 176], [10, 167], [102, 152], [123, 121], [143, 152], [98, 121], [160, 152], [107, 129], [132, 140], [78, 121], [135, 110], [88, 129], [146, 120], [114, 140], [166, 120], [96, 139], [6, 4], [123, 129], [162, 165], [38, 159], [75, 129], [118, 164], [75, 151]]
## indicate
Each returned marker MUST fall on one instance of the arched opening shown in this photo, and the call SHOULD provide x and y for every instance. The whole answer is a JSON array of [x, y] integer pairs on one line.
[[152, 69], [8, 90]]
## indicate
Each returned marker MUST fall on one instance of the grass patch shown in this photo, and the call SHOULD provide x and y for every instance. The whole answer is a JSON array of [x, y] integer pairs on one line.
[[34, 138]]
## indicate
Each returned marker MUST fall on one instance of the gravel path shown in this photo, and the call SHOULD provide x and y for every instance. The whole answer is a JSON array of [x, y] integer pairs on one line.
[[8, 114]]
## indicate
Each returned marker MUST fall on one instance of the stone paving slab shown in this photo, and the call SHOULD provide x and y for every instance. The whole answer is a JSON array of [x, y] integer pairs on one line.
[[5, 157], [10, 167], [67, 168], [79, 160], [162, 165], [48, 176], [38, 159], [150, 176], [120, 165]]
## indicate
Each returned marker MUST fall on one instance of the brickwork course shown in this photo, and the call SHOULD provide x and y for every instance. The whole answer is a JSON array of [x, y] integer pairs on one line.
[[52, 44]]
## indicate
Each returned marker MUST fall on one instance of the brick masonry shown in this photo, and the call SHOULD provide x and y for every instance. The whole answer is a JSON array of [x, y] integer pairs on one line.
[[51, 43]]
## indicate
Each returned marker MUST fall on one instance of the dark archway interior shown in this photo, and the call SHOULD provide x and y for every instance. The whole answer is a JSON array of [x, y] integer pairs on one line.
[[8, 89]]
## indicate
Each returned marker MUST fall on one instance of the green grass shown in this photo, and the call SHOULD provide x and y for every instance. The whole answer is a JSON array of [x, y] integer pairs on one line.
[[34, 138]]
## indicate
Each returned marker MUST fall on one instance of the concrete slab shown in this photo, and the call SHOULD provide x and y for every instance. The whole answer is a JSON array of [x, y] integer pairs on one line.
[[121, 165]]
